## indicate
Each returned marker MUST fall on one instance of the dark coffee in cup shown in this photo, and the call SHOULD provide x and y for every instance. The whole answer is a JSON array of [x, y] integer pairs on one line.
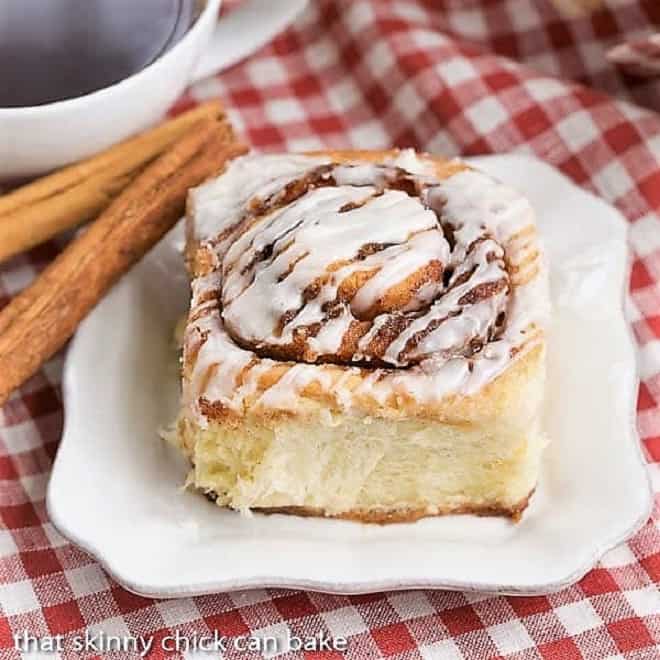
[[51, 50]]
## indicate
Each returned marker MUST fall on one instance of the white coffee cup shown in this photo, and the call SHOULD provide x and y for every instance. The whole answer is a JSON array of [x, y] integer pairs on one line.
[[38, 139]]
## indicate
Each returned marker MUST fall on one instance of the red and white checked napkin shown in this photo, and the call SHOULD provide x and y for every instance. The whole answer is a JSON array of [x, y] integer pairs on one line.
[[449, 76]]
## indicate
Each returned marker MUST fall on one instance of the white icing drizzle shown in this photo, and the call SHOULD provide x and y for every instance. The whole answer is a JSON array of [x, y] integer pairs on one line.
[[218, 202], [254, 300], [449, 333]]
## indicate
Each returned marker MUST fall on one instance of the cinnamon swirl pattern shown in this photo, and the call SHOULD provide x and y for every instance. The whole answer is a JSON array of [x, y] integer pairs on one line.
[[365, 338], [410, 284]]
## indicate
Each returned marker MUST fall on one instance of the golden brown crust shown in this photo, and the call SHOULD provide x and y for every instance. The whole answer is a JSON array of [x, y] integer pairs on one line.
[[444, 167], [514, 512], [496, 398]]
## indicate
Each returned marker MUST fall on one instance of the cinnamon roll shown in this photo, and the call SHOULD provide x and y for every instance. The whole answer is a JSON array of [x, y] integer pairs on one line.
[[365, 338]]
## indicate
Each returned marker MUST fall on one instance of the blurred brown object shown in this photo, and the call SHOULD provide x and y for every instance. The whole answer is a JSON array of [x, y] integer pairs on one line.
[[575, 8], [639, 57]]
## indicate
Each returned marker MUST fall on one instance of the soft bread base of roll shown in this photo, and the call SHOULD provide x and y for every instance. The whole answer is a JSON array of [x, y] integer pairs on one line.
[[374, 471], [334, 464]]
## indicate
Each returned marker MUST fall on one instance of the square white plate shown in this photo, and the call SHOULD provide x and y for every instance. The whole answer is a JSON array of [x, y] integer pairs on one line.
[[116, 487]]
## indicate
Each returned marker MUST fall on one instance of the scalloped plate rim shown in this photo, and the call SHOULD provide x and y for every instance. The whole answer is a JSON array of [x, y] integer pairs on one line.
[[64, 523]]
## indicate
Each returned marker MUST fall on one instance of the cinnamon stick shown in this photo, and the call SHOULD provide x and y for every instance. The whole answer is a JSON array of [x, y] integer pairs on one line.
[[38, 211], [39, 321]]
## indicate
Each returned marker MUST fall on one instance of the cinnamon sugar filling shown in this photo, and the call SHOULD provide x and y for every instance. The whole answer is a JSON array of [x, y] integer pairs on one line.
[[389, 303]]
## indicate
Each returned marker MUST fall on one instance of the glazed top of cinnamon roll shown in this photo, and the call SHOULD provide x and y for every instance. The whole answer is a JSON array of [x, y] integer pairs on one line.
[[357, 280]]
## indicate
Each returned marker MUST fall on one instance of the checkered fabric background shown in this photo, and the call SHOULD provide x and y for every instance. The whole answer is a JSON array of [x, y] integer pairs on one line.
[[450, 76]]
